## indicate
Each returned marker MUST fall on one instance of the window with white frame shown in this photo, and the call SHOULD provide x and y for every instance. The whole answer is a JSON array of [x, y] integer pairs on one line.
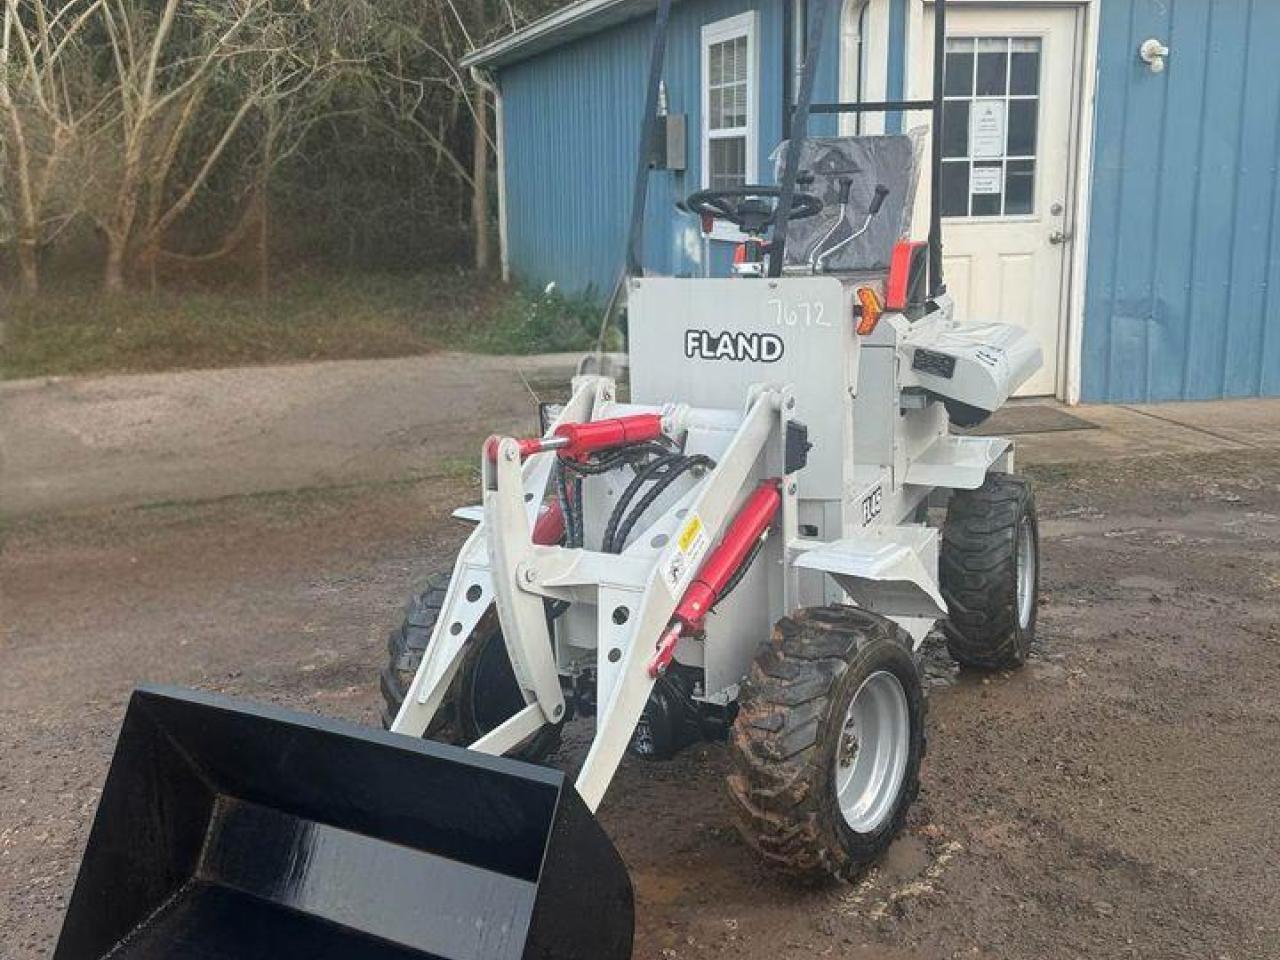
[[729, 102]]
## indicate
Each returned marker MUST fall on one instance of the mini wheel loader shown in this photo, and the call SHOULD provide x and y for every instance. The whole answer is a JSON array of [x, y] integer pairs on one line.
[[745, 547]]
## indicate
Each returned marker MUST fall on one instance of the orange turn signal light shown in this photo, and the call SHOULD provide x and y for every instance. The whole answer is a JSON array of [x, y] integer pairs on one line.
[[872, 309]]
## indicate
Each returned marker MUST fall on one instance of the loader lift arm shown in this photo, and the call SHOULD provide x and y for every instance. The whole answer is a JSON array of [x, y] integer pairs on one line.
[[636, 593]]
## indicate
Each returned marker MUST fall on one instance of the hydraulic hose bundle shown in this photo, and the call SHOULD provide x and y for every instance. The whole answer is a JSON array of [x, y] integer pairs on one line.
[[663, 469]]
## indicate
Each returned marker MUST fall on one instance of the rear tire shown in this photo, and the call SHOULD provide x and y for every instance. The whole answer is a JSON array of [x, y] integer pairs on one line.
[[484, 691], [990, 573], [835, 697]]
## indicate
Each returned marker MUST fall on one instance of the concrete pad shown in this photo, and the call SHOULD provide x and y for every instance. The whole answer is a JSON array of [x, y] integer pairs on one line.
[[1122, 433], [1254, 422], [126, 440], [1162, 429]]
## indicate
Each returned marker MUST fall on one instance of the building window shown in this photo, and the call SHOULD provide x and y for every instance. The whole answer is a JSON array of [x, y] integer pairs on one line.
[[989, 126], [729, 102]]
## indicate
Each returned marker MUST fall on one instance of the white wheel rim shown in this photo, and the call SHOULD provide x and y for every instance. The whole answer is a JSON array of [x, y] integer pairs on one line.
[[871, 757], [1027, 562]]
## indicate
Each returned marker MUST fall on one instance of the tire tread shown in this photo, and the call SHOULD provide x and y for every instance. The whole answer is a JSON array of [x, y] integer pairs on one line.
[[978, 573], [779, 742]]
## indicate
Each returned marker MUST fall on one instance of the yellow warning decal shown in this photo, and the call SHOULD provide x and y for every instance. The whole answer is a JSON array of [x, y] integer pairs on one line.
[[692, 530]]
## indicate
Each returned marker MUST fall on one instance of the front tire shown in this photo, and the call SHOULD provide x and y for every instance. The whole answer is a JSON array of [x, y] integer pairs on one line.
[[828, 741], [990, 573], [484, 692]]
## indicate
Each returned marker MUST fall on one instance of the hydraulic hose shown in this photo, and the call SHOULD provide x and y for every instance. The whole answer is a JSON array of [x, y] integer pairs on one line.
[[674, 473], [646, 474]]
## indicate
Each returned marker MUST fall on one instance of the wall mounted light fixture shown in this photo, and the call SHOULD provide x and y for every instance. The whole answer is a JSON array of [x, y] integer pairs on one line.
[[1153, 53]]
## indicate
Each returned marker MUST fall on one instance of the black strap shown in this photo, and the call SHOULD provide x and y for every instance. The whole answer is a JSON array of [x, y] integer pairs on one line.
[[799, 133], [648, 139]]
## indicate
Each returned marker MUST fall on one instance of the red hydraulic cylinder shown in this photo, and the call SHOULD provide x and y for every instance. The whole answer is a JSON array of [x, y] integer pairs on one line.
[[746, 530], [576, 440], [597, 435], [549, 527]]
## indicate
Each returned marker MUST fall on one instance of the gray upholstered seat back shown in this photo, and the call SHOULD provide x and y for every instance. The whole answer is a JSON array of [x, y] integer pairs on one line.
[[892, 160]]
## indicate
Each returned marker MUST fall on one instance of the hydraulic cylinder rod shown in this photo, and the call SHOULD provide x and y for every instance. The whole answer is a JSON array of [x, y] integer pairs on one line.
[[749, 527]]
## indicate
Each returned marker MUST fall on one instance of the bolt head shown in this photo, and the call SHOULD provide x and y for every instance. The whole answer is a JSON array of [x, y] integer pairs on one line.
[[848, 749]]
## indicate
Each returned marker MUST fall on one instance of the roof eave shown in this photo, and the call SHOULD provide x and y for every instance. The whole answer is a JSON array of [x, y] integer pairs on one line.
[[564, 25]]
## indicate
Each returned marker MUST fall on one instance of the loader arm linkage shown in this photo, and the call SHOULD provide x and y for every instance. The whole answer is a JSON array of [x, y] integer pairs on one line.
[[647, 598]]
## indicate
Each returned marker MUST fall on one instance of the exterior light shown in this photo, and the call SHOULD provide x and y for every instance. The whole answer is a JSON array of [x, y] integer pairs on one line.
[[1153, 53]]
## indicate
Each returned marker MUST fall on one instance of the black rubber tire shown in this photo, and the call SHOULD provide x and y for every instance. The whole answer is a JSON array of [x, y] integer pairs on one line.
[[979, 573], [485, 672], [791, 712]]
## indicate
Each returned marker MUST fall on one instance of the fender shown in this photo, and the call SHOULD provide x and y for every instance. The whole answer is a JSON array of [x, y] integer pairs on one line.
[[888, 570]]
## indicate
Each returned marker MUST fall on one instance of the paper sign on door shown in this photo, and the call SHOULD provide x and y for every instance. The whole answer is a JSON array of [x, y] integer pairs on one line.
[[986, 129], [985, 180]]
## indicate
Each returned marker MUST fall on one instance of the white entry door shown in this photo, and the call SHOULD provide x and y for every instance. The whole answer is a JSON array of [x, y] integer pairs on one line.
[[1007, 146]]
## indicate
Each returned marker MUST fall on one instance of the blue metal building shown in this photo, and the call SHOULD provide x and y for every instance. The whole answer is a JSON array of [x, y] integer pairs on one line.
[[1110, 175]]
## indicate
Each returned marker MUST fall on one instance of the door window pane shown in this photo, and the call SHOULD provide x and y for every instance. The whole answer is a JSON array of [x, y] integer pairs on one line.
[[1024, 66], [959, 67], [1019, 187], [955, 188], [990, 121], [993, 67], [955, 128], [986, 188], [1022, 127]]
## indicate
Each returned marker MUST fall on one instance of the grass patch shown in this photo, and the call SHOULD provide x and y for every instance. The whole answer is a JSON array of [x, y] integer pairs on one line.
[[79, 331], [528, 322]]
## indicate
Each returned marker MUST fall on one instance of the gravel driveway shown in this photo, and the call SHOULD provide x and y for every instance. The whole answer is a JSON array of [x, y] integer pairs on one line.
[[1113, 799]]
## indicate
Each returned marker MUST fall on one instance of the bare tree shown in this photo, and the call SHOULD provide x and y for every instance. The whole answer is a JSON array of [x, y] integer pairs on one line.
[[160, 86], [43, 109], [172, 123]]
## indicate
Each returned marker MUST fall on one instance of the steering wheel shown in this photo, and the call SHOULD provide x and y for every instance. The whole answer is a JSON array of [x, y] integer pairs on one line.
[[752, 209]]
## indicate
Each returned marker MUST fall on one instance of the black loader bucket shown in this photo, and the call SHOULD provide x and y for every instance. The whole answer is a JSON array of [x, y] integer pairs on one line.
[[229, 831]]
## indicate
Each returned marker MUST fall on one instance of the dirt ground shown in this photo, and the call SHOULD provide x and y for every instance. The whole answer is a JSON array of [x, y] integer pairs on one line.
[[1113, 799], [80, 443]]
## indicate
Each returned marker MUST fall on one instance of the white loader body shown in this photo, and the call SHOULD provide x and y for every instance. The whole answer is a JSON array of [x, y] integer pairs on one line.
[[728, 364]]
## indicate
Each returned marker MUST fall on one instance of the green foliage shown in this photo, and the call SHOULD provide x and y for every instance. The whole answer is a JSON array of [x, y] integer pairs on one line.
[[78, 331], [532, 322]]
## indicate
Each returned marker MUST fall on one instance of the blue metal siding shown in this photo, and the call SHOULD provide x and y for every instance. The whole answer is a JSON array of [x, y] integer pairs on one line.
[[1184, 260], [896, 77], [572, 121]]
